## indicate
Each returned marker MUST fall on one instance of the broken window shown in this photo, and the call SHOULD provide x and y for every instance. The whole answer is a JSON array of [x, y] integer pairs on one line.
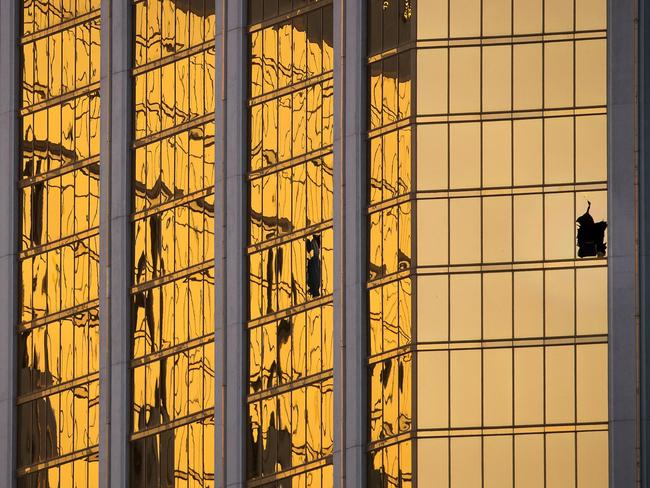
[[591, 236], [314, 266]]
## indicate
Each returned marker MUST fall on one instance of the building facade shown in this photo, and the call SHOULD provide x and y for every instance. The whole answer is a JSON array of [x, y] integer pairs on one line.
[[314, 243]]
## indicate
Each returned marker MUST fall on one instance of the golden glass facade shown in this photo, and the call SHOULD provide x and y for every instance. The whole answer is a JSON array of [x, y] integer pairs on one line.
[[172, 316], [390, 245], [487, 329], [290, 244], [506, 340], [58, 323]]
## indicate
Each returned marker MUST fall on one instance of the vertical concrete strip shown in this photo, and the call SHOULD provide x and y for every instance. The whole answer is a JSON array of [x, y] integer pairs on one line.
[[623, 291], [9, 137], [230, 241], [644, 235], [350, 241], [115, 242], [220, 247], [340, 261]]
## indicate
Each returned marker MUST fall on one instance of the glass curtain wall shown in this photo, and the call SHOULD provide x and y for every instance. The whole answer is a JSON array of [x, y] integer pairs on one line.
[[509, 293], [58, 323], [390, 252], [290, 244], [172, 316]]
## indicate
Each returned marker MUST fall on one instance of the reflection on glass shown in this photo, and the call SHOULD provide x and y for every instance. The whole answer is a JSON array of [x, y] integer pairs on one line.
[[172, 315], [390, 243], [58, 329], [290, 254], [508, 225]]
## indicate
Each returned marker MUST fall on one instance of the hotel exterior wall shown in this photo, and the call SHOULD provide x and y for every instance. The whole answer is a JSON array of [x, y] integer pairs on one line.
[[510, 327], [621, 275]]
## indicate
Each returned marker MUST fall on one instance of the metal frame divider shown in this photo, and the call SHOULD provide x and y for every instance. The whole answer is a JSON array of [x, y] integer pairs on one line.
[[9, 136]]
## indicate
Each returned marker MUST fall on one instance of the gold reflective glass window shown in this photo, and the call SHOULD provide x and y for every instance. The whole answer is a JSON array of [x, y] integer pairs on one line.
[[58, 329], [290, 243], [173, 228]]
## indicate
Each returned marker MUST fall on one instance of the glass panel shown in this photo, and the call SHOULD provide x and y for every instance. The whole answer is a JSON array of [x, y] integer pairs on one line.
[[529, 460], [529, 383], [560, 460], [592, 459], [498, 461], [433, 461], [465, 388], [461, 451], [433, 384]]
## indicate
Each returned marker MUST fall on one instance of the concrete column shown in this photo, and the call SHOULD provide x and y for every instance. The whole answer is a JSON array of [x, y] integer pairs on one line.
[[623, 240], [115, 243], [644, 235], [339, 225], [230, 239], [219, 250], [350, 244], [9, 138]]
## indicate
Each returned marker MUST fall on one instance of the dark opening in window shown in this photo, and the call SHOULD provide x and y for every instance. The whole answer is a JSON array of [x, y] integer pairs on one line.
[[591, 236], [314, 266]]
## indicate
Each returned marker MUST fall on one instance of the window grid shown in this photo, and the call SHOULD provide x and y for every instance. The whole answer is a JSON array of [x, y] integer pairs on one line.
[[41, 15], [290, 177], [390, 245], [58, 327], [509, 146], [172, 437]]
